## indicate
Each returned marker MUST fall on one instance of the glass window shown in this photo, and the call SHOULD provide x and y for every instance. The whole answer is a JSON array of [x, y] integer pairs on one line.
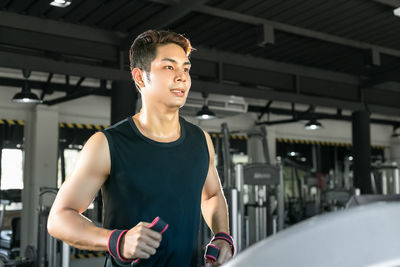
[[71, 158], [11, 169]]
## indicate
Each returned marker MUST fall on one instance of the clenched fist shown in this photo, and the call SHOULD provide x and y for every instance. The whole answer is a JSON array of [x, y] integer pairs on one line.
[[140, 242]]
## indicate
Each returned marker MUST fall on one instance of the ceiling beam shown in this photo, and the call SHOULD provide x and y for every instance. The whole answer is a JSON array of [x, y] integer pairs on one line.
[[218, 12], [214, 55], [235, 16], [253, 92], [391, 3], [168, 16], [82, 32], [380, 78], [317, 115], [19, 61], [59, 87], [35, 63], [58, 28], [60, 45], [76, 95]]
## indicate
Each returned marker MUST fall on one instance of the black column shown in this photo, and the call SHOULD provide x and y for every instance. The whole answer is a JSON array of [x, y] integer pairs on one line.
[[319, 158], [361, 151], [123, 100]]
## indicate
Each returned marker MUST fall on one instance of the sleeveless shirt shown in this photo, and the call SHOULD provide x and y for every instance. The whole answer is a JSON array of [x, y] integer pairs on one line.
[[149, 179]]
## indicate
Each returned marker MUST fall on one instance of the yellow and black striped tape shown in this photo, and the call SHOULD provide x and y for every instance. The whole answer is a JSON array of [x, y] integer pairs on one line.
[[92, 254], [233, 136], [61, 124], [12, 122], [319, 142], [82, 126]]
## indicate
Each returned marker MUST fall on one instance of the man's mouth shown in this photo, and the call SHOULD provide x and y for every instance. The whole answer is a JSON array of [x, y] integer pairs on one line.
[[178, 92]]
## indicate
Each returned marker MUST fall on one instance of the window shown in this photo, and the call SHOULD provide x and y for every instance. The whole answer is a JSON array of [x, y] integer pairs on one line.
[[71, 157], [11, 169]]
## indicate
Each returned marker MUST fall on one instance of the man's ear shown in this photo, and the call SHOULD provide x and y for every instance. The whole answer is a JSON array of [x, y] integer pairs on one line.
[[137, 76]]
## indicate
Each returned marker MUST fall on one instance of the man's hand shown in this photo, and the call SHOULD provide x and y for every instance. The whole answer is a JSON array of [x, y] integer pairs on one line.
[[140, 242], [225, 252]]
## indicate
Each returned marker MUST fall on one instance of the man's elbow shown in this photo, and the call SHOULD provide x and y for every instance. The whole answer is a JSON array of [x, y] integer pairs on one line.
[[51, 225]]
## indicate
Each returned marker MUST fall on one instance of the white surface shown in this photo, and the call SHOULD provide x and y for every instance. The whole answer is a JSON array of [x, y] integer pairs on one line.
[[361, 236]]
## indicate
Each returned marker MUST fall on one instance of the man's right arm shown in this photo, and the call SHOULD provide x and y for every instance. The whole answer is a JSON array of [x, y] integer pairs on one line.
[[75, 195]]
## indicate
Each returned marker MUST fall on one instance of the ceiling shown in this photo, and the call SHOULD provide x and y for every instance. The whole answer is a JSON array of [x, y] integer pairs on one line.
[[343, 54]]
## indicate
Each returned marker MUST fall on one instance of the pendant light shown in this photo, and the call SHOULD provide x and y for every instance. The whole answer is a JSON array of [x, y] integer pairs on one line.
[[205, 113], [26, 96]]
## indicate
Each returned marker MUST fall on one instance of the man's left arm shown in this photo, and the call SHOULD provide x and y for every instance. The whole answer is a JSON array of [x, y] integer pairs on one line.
[[214, 207]]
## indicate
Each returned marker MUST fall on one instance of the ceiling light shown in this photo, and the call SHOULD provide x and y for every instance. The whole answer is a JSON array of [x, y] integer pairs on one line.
[[293, 154], [396, 12], [205, 113], [313, 124], [60, 3], [26, 96]]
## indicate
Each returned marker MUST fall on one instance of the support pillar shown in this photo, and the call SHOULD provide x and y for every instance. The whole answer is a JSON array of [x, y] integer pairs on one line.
[[361, 136], [40, 167], [256, 145], [271, 137], [123, 100]]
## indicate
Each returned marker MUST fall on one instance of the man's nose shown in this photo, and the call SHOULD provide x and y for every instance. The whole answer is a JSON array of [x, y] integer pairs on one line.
[[180, 76]]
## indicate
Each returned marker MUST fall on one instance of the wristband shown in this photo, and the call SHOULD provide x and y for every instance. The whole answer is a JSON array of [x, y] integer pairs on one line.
[[115, 238], [212, 253], [227, 238], [113, 246]]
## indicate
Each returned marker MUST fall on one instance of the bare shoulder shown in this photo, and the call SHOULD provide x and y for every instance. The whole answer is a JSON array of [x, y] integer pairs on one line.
[[96, 154], [91, 171], [209, 144], [207, 135]]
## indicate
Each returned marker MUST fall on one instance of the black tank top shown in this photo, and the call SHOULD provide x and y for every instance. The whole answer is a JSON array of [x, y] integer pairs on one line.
[[150, 179]]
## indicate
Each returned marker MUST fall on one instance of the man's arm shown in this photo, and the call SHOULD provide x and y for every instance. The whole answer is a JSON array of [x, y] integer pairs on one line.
[[213, 205], [75, 195], [66, 222]]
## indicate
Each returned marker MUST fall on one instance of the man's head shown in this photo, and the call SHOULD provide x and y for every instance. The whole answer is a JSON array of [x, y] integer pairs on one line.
[[144, 48], [160, 66]]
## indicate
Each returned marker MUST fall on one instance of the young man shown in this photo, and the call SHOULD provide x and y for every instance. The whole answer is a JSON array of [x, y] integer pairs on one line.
[[152, 164]]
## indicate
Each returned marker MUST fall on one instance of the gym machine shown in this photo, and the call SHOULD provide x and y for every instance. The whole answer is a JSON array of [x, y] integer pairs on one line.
[[385, 179], [50, 251], [10, 239], [255, 195]]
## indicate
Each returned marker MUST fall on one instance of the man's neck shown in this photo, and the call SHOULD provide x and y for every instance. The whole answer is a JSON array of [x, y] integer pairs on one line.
[[160, 126]]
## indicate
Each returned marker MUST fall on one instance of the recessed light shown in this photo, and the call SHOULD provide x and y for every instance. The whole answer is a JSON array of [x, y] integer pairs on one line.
[[60, 3], [396, 12]]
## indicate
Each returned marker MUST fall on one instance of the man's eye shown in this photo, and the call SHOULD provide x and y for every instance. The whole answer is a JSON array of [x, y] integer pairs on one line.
[[169, 67], [186, 69]]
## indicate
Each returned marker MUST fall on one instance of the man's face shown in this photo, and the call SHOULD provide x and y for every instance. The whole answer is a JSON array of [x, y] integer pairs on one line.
[[169, 80]]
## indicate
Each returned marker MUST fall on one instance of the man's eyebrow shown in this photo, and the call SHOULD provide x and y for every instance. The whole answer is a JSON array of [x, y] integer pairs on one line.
[[174, 61]]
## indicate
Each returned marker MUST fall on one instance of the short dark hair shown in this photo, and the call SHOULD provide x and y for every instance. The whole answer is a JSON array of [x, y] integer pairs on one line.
[[144, 47]]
